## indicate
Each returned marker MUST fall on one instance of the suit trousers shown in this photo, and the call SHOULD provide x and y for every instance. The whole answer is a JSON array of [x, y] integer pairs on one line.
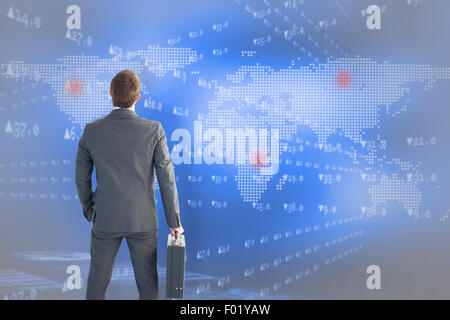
[[143, 253]]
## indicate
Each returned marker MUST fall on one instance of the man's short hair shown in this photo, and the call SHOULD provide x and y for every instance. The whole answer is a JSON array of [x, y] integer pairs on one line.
[[125, 87]]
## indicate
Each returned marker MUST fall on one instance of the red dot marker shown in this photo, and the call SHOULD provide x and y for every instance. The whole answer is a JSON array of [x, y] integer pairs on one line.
[[258, 159], [343, 79], [74, 87]]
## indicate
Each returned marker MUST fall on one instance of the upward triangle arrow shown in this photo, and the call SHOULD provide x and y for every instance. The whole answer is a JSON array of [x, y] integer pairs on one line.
[[11, 13], [67, 134], [8, 127], [9, 70]]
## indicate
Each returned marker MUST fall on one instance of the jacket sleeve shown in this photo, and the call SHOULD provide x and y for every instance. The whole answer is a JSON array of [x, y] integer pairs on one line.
[[166, 180], [84, 166]]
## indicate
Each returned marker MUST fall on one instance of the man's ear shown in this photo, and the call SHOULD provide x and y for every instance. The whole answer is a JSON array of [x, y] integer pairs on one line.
[[138, 96], [110, 93]]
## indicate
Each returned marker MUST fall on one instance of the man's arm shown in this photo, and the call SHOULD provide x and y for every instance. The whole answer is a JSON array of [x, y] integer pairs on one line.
[[83, 176], [166, 180]]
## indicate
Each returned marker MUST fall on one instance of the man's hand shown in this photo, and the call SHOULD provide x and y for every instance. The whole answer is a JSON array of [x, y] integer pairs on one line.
[[179, 231]]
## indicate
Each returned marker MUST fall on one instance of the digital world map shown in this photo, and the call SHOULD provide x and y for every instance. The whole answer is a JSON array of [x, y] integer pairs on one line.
[[302, 138]]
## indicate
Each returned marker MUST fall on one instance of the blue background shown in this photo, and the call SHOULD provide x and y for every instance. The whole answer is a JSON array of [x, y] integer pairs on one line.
[[235, 248]]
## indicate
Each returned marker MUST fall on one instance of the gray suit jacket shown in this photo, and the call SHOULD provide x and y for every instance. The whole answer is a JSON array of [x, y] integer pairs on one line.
[[125, 150]]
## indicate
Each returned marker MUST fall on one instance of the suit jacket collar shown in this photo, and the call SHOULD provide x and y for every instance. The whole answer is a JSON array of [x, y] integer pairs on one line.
[[122, 113]]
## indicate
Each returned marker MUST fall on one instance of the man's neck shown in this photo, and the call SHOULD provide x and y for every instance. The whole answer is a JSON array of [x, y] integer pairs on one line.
[[130, 108]]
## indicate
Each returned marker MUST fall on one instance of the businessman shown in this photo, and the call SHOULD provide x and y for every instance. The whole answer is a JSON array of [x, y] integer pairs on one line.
[[125, 150]]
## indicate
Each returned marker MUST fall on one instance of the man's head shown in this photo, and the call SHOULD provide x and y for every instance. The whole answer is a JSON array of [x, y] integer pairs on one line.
[[125, 88]]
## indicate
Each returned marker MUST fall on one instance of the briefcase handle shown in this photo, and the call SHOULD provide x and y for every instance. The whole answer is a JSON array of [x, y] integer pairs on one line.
[[176, 233]]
